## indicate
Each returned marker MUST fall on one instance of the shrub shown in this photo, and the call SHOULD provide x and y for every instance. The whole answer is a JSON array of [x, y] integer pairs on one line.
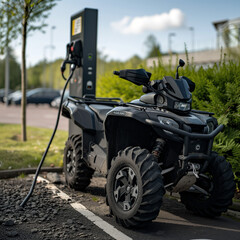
[[217, 90]]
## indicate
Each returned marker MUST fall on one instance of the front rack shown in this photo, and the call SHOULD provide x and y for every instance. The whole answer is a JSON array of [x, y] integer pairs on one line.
[[108, 101], [187, 136]]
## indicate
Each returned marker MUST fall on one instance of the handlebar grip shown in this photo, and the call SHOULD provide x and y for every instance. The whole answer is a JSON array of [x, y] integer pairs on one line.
[[116, 73]]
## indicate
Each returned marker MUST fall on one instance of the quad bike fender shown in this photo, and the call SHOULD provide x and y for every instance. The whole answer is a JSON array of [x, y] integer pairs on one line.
[[81, 115], [124, 127], [139, 115]]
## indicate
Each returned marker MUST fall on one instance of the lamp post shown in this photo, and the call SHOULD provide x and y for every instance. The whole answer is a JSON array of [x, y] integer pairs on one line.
[[7, 73], [51, 55], [192, 30], [170, 35], [44, 66]]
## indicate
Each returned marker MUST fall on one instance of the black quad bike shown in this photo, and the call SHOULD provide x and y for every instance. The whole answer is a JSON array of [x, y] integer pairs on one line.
[[147, 146]]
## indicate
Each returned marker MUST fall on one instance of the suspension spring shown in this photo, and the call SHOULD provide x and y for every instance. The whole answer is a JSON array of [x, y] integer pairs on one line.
[[158, 148]]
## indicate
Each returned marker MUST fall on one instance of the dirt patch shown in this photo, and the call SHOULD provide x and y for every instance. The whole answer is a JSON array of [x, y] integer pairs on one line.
[[16, 137]]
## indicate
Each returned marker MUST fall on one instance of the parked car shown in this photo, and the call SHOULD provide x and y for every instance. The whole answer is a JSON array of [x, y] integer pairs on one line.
[[38, 96], [2, 93], [56, 102], [11, 96]]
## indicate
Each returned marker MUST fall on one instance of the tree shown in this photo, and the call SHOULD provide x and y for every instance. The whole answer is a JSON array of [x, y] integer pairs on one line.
[[152, 46], [8, 23], [101, 62], [7, 33], [15, 73], [34, 74], [28, 15], [134, 61]]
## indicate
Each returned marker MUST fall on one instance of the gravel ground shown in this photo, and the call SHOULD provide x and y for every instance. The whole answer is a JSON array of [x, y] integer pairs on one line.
[[45, 216]]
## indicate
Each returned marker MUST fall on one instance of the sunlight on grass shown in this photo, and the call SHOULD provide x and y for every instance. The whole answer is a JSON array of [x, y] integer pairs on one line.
[[16, 154]]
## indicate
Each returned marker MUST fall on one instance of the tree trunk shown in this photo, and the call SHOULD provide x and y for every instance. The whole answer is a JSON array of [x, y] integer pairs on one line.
[[23, 72]]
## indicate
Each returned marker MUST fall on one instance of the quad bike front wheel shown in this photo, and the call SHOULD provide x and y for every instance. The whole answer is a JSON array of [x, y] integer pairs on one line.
[[218, 184], [134, 187], [77, 174]]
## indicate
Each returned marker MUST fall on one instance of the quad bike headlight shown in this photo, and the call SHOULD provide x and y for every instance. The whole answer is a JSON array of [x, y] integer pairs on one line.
[[182, 106], [168, 121], [210, 126]]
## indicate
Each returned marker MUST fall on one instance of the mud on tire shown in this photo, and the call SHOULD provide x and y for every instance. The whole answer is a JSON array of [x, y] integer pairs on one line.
[[77, 174], [134, 187], [221, 188]]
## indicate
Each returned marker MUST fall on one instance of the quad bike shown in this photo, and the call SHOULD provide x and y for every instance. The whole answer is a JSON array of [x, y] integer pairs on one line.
[[147, 146]]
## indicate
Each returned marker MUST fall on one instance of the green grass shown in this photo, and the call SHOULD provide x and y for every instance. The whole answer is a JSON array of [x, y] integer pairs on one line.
[[15, 154], [22, 175], [95, 199]]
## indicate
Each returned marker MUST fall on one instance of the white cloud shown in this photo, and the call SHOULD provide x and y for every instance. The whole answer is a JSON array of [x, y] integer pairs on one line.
[[158, 22]]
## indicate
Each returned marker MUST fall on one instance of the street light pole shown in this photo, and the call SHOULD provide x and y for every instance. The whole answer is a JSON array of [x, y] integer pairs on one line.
[[170, 42], [44, 66], [6, 75], [51, 57]]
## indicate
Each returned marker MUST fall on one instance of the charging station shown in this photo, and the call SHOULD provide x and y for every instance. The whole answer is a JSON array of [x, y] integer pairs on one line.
[[84, 28]]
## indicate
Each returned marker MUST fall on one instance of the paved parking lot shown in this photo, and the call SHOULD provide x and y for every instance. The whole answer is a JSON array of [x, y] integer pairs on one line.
[[37, 116], [173, 222]]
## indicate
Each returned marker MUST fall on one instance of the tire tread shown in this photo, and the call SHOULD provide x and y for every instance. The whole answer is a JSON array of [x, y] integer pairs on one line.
[[223, 192], [83, 173], [152, 186]]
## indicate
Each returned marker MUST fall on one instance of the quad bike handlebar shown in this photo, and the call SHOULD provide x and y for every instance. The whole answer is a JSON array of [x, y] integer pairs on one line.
[[136, 76], [116, 73], [142, 77]]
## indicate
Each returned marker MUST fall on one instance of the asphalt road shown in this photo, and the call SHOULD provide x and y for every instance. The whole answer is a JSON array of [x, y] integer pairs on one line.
[[37, 115], [173, 222]]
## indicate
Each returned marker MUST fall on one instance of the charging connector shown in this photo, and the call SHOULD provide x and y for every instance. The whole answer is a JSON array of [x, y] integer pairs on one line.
[[74, 58], [51, 139]]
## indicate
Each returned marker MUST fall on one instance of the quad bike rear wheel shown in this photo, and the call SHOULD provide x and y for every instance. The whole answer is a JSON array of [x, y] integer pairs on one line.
[[77, 174], [134, 187], [218, 182]]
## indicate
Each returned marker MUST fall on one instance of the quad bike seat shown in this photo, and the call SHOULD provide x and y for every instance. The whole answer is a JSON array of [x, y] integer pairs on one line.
[[101, 110]]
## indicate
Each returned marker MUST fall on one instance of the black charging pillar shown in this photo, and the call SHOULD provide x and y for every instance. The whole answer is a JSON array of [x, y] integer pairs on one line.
[[84, 28]]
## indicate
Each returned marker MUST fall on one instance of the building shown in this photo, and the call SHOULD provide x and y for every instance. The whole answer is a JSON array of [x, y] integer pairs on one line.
[[228, 39], [200, 58], [228, 33]]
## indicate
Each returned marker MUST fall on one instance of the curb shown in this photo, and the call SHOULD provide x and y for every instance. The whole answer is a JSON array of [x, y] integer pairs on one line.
[[233, 210], [235, 206], [109, 229], [233, 213], [16, 172]]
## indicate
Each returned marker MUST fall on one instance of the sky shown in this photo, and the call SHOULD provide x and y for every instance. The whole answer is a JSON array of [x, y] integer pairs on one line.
[[124, 25]]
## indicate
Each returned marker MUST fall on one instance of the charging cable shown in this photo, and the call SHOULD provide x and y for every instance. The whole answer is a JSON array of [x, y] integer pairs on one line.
[[73, 67]]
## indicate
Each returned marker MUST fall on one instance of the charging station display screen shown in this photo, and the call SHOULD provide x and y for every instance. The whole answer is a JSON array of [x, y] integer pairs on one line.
[[76, 26]]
